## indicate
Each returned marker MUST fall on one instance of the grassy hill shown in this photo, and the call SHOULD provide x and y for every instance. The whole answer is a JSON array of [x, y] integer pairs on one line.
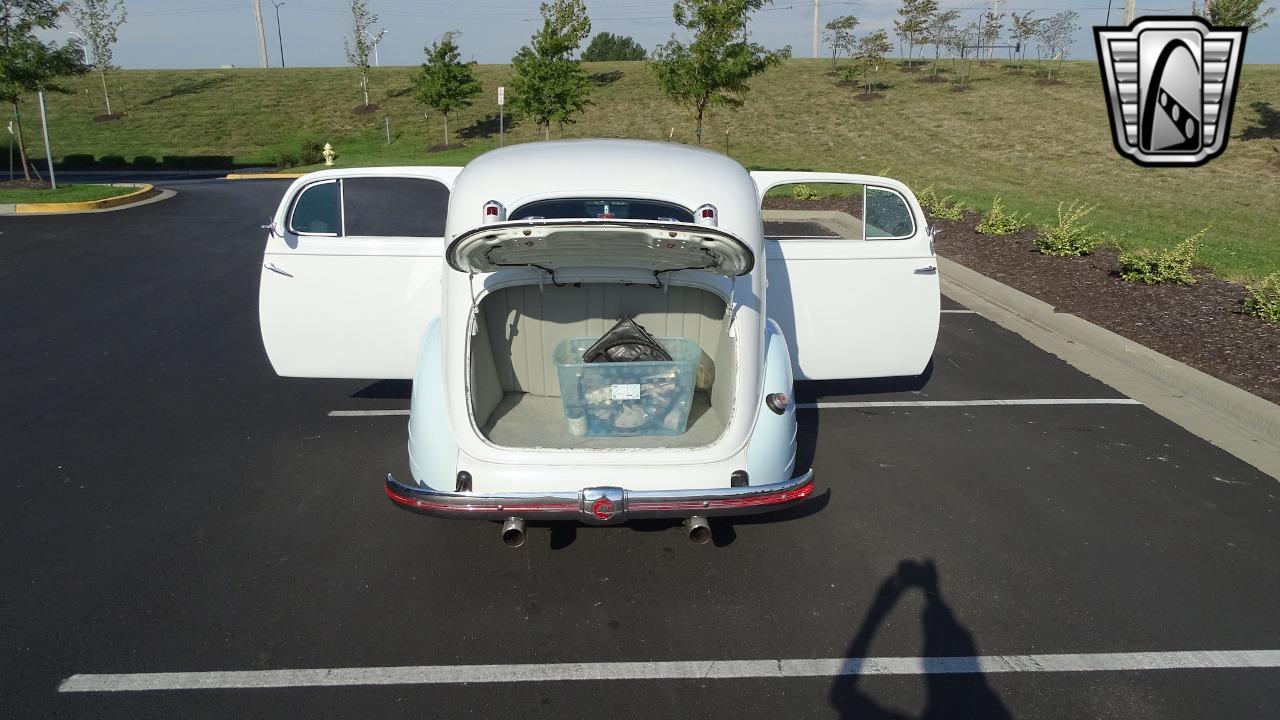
[[1034, 144]]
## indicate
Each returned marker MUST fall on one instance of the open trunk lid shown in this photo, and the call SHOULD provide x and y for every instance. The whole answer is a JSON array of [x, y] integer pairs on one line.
[[560, 244]]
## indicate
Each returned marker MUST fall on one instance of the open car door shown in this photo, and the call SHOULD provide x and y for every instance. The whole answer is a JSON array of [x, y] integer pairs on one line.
[[351, 273], [855, 288]]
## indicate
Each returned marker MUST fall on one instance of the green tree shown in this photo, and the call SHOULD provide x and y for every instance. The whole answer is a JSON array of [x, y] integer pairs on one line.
[[359, 46], [869, 53], [915, 15], [963, 43], [445, 83], [100, 20], [992, 25], [28, 65], [550, 84], [1055, 34], [714, 66], [607, 46], [1024, 28], [941, 26], [1234, 13], [839, 35]]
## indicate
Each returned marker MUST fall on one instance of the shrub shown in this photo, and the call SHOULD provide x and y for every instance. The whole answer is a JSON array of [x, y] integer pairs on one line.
[[285, 158], [1171, 265], [77, 160], [804, 192], [1069, 237], [113, 161], [999, 222], [310, 152], [941, 208], [145, 161], [1264, 299]]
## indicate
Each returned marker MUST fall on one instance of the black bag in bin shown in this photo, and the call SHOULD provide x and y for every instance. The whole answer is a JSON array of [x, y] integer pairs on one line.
[[626, 341]]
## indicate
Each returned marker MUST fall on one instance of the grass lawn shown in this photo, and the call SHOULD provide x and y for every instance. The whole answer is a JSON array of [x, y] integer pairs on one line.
[[64, 193], [1035, 145]]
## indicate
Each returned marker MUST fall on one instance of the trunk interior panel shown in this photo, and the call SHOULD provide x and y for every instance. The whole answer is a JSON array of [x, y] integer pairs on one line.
[[515, 391]]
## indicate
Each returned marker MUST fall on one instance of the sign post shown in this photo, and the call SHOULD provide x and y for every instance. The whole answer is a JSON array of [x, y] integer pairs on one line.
[[48, 156], [502, 100]]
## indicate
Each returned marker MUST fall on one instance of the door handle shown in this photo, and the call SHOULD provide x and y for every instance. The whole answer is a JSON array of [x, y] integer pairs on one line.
[[273, 268], [927, 270]]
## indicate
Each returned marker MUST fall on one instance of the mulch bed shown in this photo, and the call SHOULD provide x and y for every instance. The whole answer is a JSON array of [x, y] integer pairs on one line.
[[366, 109], [24, 185], [1200, 325], [108, 118]]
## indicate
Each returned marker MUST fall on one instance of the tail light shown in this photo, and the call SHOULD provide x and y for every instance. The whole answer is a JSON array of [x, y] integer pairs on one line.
[[706, 215], [494, 212]]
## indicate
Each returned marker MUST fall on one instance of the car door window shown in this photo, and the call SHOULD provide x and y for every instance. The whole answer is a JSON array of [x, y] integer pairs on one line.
[[886, 215], [317, 210], [394, 206], [836, 211]]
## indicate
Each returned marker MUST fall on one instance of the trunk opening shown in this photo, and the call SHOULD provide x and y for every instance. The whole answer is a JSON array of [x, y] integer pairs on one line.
[[514, 386]]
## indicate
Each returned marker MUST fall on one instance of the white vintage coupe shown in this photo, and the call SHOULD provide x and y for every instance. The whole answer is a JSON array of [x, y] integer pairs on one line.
[[466, 280]]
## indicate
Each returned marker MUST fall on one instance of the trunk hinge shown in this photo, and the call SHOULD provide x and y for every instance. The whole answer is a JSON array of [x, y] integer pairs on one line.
[[731, 311], [475, 304]]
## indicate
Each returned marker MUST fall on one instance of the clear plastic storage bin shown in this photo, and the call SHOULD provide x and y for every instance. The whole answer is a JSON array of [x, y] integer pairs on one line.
[[627, 398]]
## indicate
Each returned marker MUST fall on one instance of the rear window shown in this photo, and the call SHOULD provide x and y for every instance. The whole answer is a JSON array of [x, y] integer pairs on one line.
[[394, 206], [372, 207], [608, 208]]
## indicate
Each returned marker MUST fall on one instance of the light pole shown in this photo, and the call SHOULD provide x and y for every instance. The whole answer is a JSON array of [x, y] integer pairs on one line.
[[279, 33], [377, 40], [84, 44]]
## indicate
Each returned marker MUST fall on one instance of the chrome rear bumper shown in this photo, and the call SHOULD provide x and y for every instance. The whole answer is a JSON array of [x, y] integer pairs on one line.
[[603, 505]]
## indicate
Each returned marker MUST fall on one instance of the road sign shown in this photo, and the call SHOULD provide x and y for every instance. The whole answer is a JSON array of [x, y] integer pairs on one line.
[[502, 95]]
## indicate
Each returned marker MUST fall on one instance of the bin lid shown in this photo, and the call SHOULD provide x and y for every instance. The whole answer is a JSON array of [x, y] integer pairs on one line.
[[559, 244]]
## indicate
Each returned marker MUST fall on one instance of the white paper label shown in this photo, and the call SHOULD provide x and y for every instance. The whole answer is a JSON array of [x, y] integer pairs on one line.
[[626, 392], [502, 95]]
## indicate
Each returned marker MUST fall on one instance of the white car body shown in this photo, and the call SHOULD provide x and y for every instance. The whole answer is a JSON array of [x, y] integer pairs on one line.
[[337, 303]]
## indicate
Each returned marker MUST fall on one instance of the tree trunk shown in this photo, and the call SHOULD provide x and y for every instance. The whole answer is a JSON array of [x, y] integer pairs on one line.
[[698, 125], [834, 53], [22, 150], [364, 86], [102, 73], [446, 129], [546, 130]]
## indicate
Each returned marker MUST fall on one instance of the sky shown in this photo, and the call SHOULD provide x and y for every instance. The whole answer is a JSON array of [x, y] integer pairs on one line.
[[213, 33]]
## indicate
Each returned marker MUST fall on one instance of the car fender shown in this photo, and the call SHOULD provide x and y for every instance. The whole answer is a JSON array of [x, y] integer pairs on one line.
[[771, 452], [433, 451]]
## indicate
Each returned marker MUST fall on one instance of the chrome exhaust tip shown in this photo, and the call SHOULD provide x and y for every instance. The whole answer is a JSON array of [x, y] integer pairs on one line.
[[513, 532], [699, 530]]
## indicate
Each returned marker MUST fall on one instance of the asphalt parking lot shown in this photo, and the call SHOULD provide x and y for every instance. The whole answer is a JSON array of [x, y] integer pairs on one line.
[[170, 505]]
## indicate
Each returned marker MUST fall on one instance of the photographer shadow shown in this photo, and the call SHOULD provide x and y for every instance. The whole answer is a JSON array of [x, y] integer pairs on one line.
[[954, 683]]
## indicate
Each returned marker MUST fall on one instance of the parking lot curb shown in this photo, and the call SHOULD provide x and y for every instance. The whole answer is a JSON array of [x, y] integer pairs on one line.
[[263, 176], [143, 192], [1237, 421]]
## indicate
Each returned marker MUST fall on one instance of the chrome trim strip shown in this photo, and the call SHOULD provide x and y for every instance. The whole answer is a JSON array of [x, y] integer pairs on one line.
[[708, 502]]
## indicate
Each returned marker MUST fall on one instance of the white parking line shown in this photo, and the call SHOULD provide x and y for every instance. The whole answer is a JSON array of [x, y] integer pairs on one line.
[[365, 413], [695, 670], [961, 312], [965, 403]]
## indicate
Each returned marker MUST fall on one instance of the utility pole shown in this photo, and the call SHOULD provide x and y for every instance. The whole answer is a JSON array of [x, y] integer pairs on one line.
[[1130, 8], [816, 3], [262, 35], [377, 40], [279, 32]]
